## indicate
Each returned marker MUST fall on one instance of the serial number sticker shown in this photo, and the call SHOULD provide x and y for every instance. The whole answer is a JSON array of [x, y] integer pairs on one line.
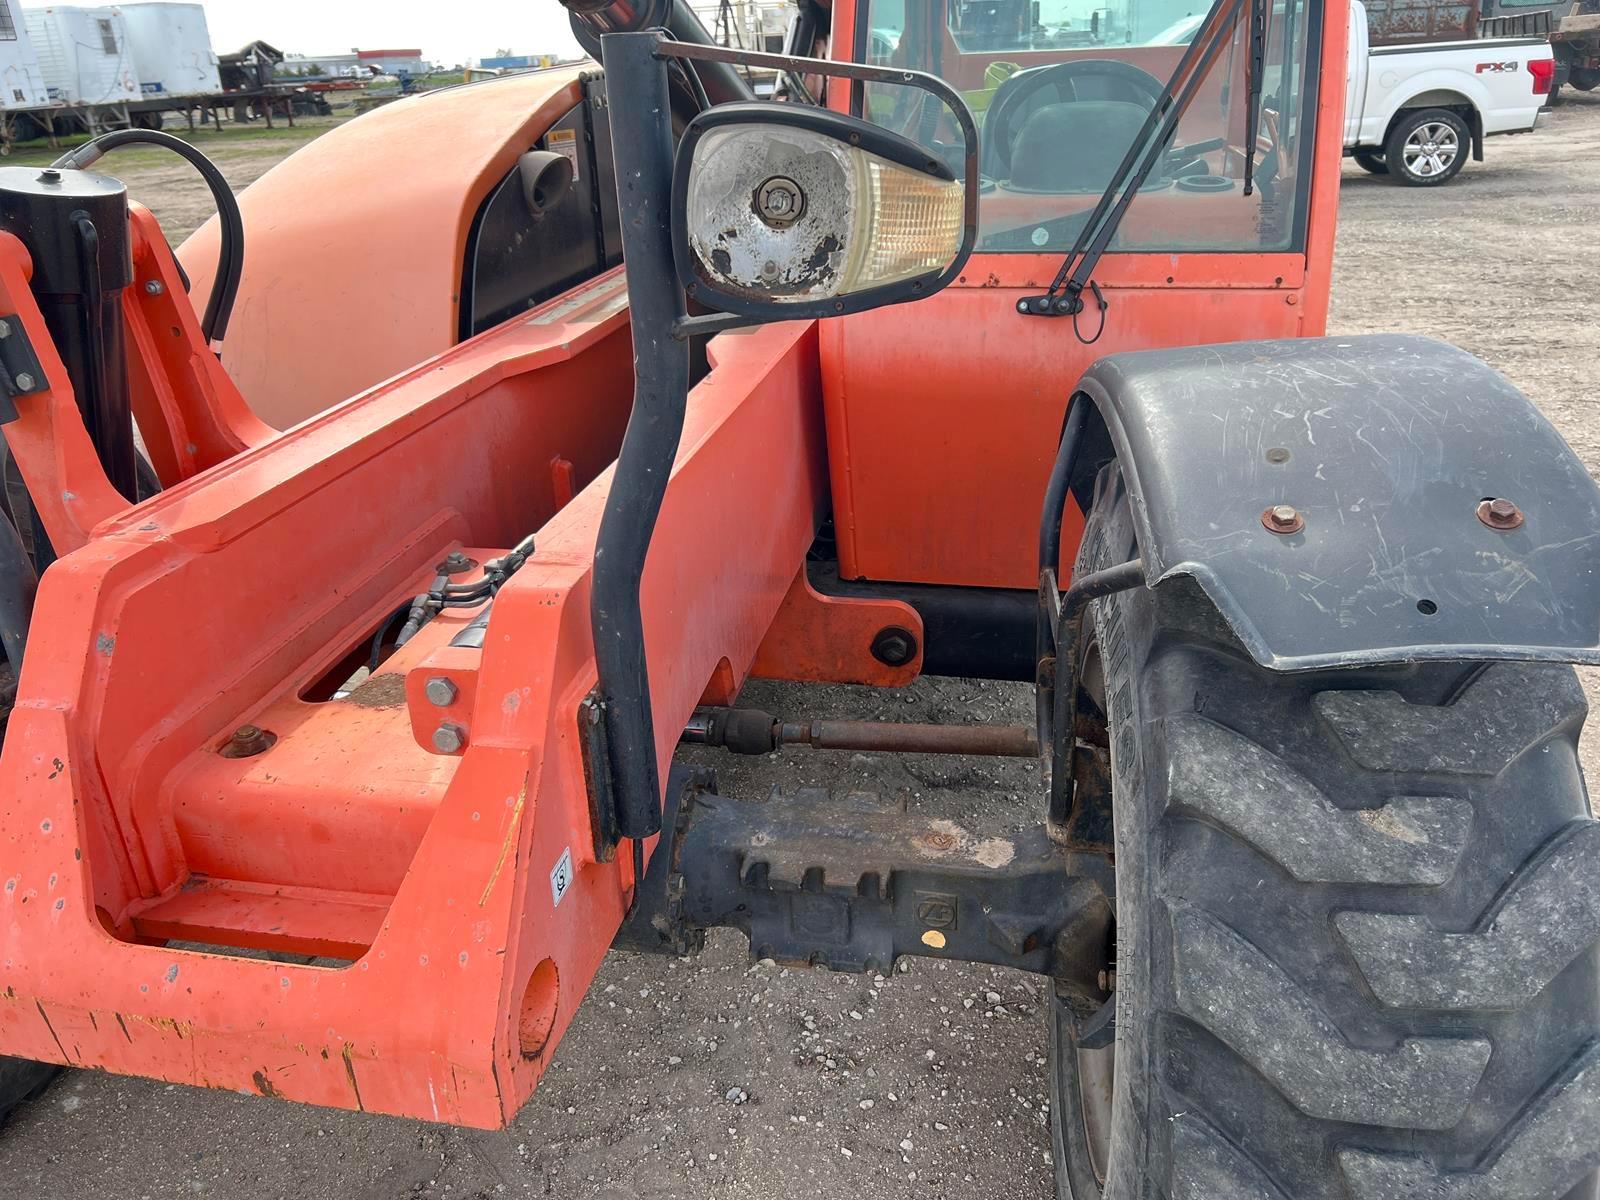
[[565, 143], [561, 877]]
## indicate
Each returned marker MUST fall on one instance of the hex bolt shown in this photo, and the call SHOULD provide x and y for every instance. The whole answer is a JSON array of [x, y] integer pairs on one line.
[[455, 563], [5, 329], [894, 646], [441, 692], [1108, 981], [25, 381], [1500, 513], [248, 741], [1283, 519], [449, 739], [154, 287]]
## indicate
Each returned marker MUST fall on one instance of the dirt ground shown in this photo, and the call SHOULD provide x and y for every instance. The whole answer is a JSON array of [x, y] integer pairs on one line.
[[722, 1080]]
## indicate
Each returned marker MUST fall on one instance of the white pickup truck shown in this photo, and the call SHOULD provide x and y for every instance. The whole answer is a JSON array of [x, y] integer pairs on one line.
[[1414, 112]]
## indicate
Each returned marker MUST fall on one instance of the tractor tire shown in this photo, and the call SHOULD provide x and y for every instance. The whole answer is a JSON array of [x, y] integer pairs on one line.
[[1427, 147], [21, 1081], [1370, 161], [1357, 915]]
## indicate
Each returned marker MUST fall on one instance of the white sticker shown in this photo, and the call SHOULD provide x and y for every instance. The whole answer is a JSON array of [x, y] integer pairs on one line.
[[565, 143], [561, 877]]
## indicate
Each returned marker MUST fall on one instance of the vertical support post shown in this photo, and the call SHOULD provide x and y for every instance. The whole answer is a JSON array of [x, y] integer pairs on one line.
[[641, 136]]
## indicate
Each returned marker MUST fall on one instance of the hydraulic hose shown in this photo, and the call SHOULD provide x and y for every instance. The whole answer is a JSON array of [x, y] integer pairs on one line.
[[230, 264], [18, 583]]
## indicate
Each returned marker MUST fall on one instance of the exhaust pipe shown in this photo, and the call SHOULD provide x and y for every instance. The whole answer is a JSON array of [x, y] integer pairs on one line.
[[592, 18]]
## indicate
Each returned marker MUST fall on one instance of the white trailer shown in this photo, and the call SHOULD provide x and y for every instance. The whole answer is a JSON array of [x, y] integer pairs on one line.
[[21, 81], [171, 50], [84, 54]]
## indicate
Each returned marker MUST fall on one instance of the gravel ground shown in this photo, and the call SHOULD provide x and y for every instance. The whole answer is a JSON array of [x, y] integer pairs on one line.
[[719, 1079]]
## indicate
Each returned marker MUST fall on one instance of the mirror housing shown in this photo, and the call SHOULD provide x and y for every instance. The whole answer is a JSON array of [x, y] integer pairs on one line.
[[785, 211]]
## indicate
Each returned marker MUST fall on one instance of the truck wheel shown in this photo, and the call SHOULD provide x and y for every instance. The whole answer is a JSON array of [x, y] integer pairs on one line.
[[1585, 79], [1427, 147], [1370, 161], [1357, 915]]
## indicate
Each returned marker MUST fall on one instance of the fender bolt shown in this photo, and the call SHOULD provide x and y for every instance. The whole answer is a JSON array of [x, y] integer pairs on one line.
[[1283, 519], [1499, 513]]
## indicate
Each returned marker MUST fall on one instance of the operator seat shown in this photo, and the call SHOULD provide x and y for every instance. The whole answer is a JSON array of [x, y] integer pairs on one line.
[[1074, 147]]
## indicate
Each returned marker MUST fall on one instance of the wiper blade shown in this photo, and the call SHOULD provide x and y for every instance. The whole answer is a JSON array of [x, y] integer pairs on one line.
[[1256, 69], [1065, 295]]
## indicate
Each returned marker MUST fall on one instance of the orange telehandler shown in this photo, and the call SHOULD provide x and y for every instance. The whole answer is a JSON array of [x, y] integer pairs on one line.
[[343, 742]]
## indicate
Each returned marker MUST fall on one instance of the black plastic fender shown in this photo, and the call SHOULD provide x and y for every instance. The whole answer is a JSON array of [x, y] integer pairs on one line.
[[1385, 446]]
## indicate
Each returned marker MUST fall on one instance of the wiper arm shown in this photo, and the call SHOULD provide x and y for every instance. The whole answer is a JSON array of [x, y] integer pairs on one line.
[[1255, 70], [1065, 296]]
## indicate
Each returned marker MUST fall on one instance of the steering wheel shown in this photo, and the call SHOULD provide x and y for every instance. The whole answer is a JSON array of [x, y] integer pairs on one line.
[[1020, 96]]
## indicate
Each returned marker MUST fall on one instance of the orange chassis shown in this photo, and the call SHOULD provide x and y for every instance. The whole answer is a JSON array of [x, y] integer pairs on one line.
[[450, 906]]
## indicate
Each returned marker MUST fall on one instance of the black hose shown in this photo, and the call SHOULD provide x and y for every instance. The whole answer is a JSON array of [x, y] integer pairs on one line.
[[230, 264], [18, 583]]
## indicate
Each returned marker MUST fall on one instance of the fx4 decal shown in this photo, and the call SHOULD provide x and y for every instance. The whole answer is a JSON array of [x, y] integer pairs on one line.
[[1496, 68]]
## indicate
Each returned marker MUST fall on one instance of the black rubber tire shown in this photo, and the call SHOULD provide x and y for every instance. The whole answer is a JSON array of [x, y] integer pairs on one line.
[[1371, 161], [20, 1081], [1408, 122], [1357, 916]]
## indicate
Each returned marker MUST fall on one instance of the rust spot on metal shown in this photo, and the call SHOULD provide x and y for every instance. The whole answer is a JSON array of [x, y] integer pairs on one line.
[[264, 1085], [65, 1057], [350, 1071]]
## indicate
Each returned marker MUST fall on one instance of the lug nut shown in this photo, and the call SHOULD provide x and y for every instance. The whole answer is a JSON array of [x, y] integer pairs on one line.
[[441, 692], [1283, 519], [449, 739], [1500, 513]]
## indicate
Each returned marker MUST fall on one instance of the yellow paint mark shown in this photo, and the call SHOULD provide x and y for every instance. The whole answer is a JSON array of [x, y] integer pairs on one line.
[[933, 938], [505, 846]]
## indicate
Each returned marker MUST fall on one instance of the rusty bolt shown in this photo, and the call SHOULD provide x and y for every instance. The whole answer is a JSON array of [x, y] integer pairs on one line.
[[441, 692], [248, 741], [449, 739], [1500, 513], [1283, 519], [894, 646], [1108, 981]]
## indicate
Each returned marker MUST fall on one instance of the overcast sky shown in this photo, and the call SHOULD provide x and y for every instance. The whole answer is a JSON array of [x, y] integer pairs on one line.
[[448, 31]]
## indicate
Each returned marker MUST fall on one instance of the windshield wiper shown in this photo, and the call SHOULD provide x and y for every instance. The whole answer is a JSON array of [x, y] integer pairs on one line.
[[1256, 70], [1065, 296]]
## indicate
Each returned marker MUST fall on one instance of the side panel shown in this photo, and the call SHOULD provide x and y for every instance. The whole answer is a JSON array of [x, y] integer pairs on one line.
[[370, 220]]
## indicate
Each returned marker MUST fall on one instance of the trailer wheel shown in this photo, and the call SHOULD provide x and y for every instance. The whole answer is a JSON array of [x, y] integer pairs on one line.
[[1370, 161], [1357, 915], [1427, 147]]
